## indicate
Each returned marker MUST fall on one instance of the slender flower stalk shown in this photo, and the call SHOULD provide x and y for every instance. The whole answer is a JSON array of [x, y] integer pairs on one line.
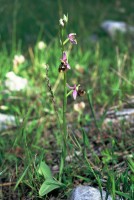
[[65, 64], [64, 67], [64, 60], [64, 145], [64, 107]]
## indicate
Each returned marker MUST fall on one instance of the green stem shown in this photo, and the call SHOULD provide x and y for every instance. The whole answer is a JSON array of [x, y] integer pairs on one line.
[[64, 96], [65, 41], [64, 106], [64, 133], [70, 92]]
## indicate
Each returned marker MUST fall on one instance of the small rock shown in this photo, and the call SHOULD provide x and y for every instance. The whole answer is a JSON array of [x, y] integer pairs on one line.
[[14, 82], [69, 158], [112, 27], [115, 117], [55, 168], [7, 121], [125, 112], [88, 193]]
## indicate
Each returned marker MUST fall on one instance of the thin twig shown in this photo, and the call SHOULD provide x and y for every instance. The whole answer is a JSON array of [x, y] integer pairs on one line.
[[7, 184]]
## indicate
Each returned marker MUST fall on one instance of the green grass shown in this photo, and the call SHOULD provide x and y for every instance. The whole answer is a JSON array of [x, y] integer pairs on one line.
[[106, 157]]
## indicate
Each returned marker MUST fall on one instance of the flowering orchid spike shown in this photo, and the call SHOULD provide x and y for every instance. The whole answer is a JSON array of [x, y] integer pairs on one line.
[[72, 38]]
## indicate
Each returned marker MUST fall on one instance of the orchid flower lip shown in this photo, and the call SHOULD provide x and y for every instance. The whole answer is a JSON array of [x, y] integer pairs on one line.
[[74, 94]]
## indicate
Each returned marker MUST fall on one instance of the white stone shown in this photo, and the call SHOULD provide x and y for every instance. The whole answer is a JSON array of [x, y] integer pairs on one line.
[[112, 27], [70, 157], [88, 193], [14, 82], [125, 112], [6, 121]]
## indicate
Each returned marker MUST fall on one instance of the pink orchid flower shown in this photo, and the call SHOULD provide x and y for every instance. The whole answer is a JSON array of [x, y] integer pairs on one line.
[[75, 91], [64, 61], [72, 38]]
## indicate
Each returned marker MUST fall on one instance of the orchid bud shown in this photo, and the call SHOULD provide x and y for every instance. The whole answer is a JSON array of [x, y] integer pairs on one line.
[[65, 18], [61, 22]]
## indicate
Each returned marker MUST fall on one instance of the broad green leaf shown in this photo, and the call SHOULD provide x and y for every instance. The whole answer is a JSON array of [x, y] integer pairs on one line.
[[44, 170], [48, 186]]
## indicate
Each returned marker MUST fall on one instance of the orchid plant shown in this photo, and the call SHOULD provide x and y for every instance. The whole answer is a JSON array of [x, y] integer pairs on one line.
[[63, 68], [50, 183]]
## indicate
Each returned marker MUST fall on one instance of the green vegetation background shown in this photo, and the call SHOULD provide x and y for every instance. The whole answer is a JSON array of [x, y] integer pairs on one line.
[[29, 18]]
